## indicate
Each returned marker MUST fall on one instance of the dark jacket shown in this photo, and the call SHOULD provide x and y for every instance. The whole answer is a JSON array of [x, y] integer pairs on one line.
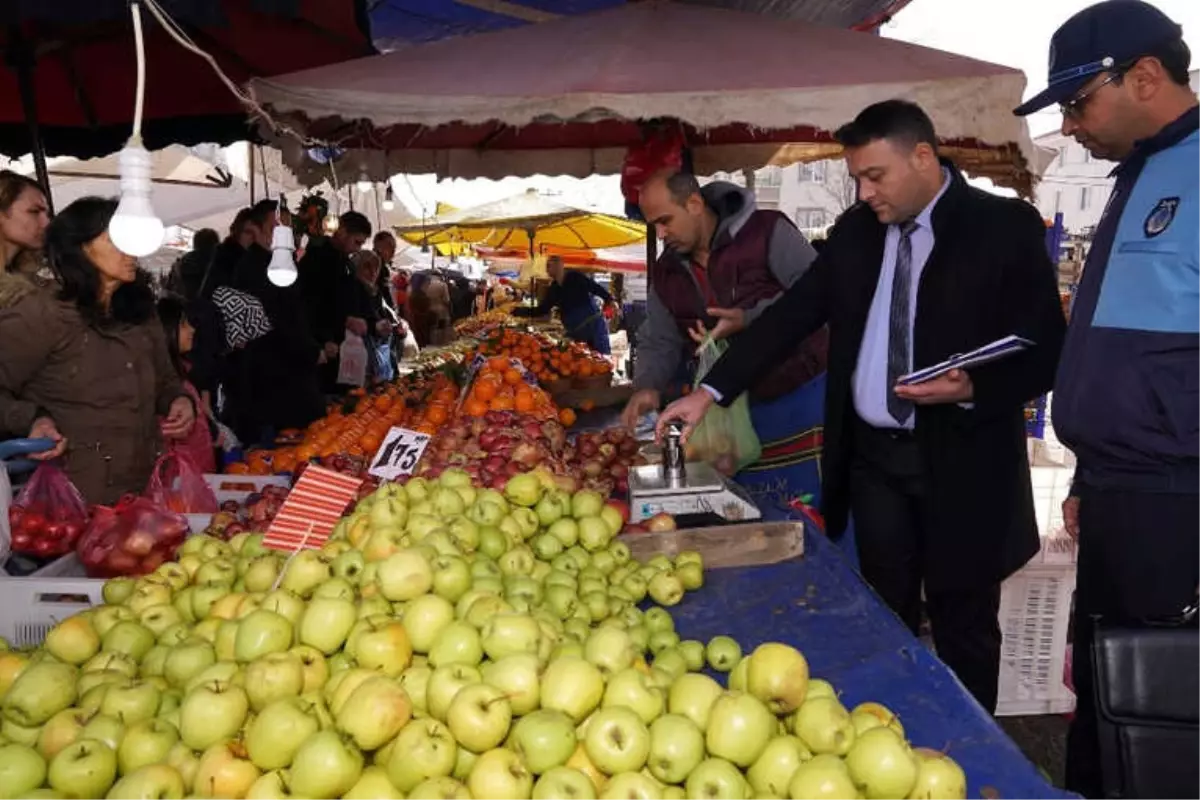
[[754, 255], [104, 387], [224, 266], [324, 276], [1129, 383], [988, 276]]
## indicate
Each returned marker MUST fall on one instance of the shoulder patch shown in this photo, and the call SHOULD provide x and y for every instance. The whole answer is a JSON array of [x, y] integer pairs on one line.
[[1160, 217]]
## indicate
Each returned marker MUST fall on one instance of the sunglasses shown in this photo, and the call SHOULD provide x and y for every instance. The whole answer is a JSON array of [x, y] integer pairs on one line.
[[1075, 107]]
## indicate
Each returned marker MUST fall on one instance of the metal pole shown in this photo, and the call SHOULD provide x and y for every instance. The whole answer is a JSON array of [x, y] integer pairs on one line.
[[22, 59]]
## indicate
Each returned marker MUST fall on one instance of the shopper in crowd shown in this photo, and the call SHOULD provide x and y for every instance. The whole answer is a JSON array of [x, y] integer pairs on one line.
[[85, 362], [429, 308], [400, 286], [1126, 393], [228, 253], [190, 269], [273, 379], [180, 334], [571, 292], [24, 215], [325, 274], [365, 300], [724, 256], [935, 475], [384, 246]]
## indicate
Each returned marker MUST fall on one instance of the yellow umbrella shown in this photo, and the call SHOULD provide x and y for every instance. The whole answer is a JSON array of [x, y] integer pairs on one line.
[[523, 222]]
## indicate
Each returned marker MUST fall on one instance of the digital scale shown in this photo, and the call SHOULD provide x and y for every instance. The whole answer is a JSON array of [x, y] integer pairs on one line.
[[678, 488]]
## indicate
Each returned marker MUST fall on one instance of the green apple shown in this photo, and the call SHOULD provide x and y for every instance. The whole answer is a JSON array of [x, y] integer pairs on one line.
[[176, 634], [225, 642], [84, 768], [262, 572], [723, 653], [287, 604], [510, 634], [154, 665], [617, 740], [824, 725], [220, 772], [566, 530], [938, 776], [21, 770], [423, 749], [778, 675], [161, 618], [692, 695], [415, 681], [73, 640], [373, 784], [404, 575], [187, 660], [636, 691], [500, 773], [881, 764], [691, 576], [150, 781], [456, 643], [586, 503], [666, 589], [129, 638], [272, 677], [314, 666], [479, 717], [375, 712], [307, 570], [545, 739], [632, 784], [772, 773], [326, 622], [383, 646], [451, 577], [517, 677], [185, 763], [326, 765], [573, 685], [737, 676], [60, 730], [564, 783], [739, 728], [19, 734], [203, 597], [716, 778], [261, 633], [131, 701], [145, 743], [446, 682], [873, 715], [117, 590], [676, 748], [693, 654], [824, 776], [220, 671], [610, 649], [147, 594], [424, 618], [212, 713], [40, 691], [104, 728], [276, 733]]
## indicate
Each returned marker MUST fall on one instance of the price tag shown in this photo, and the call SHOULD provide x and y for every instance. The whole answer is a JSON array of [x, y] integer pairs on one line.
[[399, 454]]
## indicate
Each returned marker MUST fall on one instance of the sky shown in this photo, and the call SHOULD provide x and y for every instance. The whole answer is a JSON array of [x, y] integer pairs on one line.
[[1015, 33]]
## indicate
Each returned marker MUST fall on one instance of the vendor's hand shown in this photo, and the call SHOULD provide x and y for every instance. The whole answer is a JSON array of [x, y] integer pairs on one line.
[[356, 325], [44, 428], [641, 403], [953, 387], [180, 418], [331, 350], [1070, 511], [729, 322], [690, 410]]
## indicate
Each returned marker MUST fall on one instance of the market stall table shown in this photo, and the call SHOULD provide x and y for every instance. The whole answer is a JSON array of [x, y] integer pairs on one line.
[[820, 605]]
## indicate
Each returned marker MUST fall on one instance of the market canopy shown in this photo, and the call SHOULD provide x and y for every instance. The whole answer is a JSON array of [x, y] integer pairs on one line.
[[567, 97], [525, 222], [403, 23]]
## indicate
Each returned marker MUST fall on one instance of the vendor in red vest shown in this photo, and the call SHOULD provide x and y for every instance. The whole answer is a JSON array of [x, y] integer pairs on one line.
[[725, 260]]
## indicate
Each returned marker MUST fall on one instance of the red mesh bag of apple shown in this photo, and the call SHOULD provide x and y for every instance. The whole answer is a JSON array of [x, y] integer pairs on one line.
[[725, 437], [48, 516], [178, 485], [132, 538]]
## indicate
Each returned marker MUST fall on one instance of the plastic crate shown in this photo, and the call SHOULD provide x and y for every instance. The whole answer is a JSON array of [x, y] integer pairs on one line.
[[30, 607], [1035, 613], [222, 485]]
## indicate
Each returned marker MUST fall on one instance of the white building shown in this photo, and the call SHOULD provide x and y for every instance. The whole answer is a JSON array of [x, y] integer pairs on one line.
[[1075, 183], [811, 195]]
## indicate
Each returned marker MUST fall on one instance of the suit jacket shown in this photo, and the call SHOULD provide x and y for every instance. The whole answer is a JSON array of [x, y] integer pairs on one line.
[[988, 276]]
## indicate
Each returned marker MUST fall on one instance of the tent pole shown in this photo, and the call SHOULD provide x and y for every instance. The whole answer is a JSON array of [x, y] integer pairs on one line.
[[22, 59]]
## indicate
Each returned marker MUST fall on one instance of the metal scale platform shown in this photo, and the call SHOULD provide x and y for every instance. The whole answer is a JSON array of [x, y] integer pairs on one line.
[[681, 489]]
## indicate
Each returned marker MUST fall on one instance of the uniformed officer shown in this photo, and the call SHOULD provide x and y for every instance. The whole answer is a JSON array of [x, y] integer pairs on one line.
[[1125, 399]]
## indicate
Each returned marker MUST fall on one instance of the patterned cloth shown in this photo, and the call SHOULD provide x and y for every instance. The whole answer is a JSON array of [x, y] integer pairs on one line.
[[242, 315]]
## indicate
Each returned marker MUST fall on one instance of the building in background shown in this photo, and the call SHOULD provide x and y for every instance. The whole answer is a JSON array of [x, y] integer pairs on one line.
[[812, 195], [1077, 185]]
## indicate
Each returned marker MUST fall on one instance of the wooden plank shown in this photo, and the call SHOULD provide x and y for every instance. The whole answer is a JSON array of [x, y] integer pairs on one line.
[[748, 545]]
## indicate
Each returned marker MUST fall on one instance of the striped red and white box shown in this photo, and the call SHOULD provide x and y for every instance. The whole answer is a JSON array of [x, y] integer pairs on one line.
[[312, 508]]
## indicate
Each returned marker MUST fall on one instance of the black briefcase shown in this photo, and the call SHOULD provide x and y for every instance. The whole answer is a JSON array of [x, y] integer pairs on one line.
[[1147, 677]]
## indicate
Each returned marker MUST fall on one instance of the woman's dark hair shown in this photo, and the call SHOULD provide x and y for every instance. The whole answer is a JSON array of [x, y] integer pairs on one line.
[[172, 314], [12, 185], [76, 225]]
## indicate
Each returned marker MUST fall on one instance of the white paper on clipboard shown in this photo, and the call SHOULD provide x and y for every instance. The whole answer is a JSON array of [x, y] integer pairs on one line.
[[993, 351]]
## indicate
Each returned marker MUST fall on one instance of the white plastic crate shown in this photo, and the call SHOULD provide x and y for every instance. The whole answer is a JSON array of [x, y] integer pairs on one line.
[[1035, 611], [30, 607]]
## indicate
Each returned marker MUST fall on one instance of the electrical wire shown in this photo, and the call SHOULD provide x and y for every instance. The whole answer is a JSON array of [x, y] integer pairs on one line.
[[139, 99]]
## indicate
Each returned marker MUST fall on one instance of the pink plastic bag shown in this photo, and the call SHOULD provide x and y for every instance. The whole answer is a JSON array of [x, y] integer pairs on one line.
[[178, 485], [49, 514], [132, 538]]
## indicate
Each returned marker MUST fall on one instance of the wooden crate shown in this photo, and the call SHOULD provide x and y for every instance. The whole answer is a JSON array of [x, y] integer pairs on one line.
[[748, 545]]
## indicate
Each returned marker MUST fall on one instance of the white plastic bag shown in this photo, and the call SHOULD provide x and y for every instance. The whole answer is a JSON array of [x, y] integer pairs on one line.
[[352, 363]]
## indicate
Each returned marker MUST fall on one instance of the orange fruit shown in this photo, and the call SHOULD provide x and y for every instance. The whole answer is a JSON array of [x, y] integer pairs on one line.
[[567, 417], [436, 415], [501, 403], [485, 390], [512, 377], [476, 407], [523, 402]]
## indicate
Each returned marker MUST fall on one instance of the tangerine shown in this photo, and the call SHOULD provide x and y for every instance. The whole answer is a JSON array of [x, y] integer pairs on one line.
[[567, 417]]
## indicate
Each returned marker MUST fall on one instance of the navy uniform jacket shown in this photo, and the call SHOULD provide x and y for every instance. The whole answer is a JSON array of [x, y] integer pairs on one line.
[[1128, 385]]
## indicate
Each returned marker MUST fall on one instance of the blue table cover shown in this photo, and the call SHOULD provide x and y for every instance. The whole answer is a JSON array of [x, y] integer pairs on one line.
[[821, 606]]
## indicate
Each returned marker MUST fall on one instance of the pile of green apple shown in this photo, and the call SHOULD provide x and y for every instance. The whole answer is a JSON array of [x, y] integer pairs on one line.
[[447, 641]]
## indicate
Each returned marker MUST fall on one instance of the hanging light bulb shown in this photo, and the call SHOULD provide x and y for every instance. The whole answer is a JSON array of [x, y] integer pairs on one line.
[[135, 229], [331, 224], [282, 269], [389, 199], [364, 183]]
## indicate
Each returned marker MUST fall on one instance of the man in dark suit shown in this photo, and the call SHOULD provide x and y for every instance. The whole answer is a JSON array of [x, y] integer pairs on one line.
[[934, 475]]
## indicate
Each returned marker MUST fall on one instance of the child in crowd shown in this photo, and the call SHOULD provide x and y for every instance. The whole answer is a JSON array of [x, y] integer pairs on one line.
[[198, 445]]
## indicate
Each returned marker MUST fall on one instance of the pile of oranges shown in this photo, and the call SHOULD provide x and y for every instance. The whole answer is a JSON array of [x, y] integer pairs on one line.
[[549, 360], [500, 386], [359, 432]]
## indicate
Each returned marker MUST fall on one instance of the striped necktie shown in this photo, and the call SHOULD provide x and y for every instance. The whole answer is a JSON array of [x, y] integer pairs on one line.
[[899, 322]]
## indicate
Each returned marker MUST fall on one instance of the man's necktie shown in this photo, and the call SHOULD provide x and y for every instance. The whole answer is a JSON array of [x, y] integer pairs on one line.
[[900, 313]]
